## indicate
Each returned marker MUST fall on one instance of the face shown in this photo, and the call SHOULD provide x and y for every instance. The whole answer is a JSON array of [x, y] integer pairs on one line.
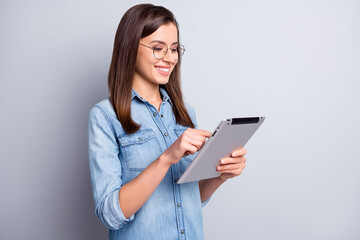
[[148, 69]]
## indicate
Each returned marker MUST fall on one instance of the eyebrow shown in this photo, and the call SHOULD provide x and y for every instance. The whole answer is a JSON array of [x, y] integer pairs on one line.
[[158, 41]]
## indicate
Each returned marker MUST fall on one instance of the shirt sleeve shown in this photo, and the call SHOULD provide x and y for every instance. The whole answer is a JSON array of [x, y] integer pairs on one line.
[[105, 170], [192, 115], [203, 204]]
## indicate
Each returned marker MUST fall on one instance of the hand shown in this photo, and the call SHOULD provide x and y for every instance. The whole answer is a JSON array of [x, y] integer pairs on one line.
[[232, 166], [189, 142]]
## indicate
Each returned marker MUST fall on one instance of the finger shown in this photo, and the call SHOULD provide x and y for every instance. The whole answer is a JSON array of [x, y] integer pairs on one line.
[[196, 143], [204, 133], [185, 146], [195, 140], [239, 152], [232, 172], [190, 149], [231, 167], [196, 134], [232, 160], [199, 138]]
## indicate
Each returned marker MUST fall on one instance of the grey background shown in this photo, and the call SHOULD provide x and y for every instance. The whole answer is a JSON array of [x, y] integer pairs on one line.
[[296, 62]]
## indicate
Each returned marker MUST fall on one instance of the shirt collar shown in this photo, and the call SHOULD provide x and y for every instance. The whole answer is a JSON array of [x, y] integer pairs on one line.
[[163, 93], [165, 96], [135, 94]]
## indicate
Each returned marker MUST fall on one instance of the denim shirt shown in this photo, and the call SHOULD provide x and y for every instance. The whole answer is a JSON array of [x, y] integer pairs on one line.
[[173, 211]]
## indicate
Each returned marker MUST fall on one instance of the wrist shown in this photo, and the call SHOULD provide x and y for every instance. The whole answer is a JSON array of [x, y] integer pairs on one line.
[[164, 160], [222, 179]]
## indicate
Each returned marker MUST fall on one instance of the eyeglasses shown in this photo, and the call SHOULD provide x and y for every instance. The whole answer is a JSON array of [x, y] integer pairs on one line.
[[160, 50]]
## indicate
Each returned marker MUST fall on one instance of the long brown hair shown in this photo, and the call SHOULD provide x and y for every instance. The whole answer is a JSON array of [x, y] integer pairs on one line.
[[138, 22]]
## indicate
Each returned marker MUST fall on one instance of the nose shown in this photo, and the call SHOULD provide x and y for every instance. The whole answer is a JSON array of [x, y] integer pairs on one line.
[[170, 57]]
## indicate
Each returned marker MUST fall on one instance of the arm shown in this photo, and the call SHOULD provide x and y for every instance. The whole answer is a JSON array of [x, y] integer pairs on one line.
[[134, 194], [208, 187]]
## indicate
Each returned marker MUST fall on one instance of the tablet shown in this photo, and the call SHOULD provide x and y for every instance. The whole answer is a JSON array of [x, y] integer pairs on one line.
[[229, 135]]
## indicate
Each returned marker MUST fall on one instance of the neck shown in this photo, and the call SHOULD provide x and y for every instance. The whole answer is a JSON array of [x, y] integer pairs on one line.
[[149, 91]]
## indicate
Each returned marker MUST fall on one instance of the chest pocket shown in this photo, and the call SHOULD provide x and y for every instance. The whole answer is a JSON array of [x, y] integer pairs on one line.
[[178, 131], [139, 149]]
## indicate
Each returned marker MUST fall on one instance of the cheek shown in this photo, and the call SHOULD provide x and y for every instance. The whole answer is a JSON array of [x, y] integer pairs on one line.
[[143, 58], [173, 68], [144, 64]]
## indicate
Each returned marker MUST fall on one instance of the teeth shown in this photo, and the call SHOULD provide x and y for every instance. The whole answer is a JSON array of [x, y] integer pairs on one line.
[[163, 69]]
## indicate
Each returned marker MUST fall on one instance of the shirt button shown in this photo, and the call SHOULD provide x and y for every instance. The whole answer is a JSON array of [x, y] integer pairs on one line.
[[175, 180], [165, 134], [182, 231], [162, 115], [154, 114], [179, 205], [140, 138]]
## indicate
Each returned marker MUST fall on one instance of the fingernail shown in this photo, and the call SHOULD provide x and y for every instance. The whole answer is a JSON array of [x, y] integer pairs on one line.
[[219, 168], [233, 154], [222, 161]]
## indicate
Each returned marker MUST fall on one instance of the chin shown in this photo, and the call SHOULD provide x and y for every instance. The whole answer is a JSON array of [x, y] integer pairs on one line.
[[161, 81]]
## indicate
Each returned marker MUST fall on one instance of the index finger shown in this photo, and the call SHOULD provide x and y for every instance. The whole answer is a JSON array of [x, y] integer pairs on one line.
[[203, 132]]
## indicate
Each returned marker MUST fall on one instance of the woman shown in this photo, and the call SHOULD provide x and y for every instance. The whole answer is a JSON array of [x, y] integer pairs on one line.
[[143, 137]]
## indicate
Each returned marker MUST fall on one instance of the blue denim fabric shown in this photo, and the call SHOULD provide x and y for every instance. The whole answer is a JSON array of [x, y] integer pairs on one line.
[[174, 210]]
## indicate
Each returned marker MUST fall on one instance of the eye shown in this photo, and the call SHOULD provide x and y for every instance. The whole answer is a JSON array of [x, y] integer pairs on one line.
[[159, 48], [174, 50]]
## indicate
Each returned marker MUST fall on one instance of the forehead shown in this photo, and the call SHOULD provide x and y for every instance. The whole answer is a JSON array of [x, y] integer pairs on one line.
[[166, 33]]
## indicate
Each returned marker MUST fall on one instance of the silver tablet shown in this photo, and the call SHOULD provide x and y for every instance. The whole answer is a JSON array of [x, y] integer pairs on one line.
[[229, 135]]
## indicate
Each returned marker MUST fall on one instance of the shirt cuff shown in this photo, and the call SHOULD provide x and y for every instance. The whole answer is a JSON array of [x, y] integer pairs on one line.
[[113, 217], [203, 204]]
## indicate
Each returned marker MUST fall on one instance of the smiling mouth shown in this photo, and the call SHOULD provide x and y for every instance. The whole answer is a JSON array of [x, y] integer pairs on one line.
[[163, 70]]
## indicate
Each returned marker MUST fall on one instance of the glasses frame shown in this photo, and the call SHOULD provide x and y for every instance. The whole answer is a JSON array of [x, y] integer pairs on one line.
[[180, 54]]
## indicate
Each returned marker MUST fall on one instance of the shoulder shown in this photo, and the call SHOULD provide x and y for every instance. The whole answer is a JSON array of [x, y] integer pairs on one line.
[[102, 114], [104, 108]]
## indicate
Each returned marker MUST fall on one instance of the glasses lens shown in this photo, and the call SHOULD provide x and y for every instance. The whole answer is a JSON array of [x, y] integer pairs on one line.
[[181, 50], [160, 50]]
